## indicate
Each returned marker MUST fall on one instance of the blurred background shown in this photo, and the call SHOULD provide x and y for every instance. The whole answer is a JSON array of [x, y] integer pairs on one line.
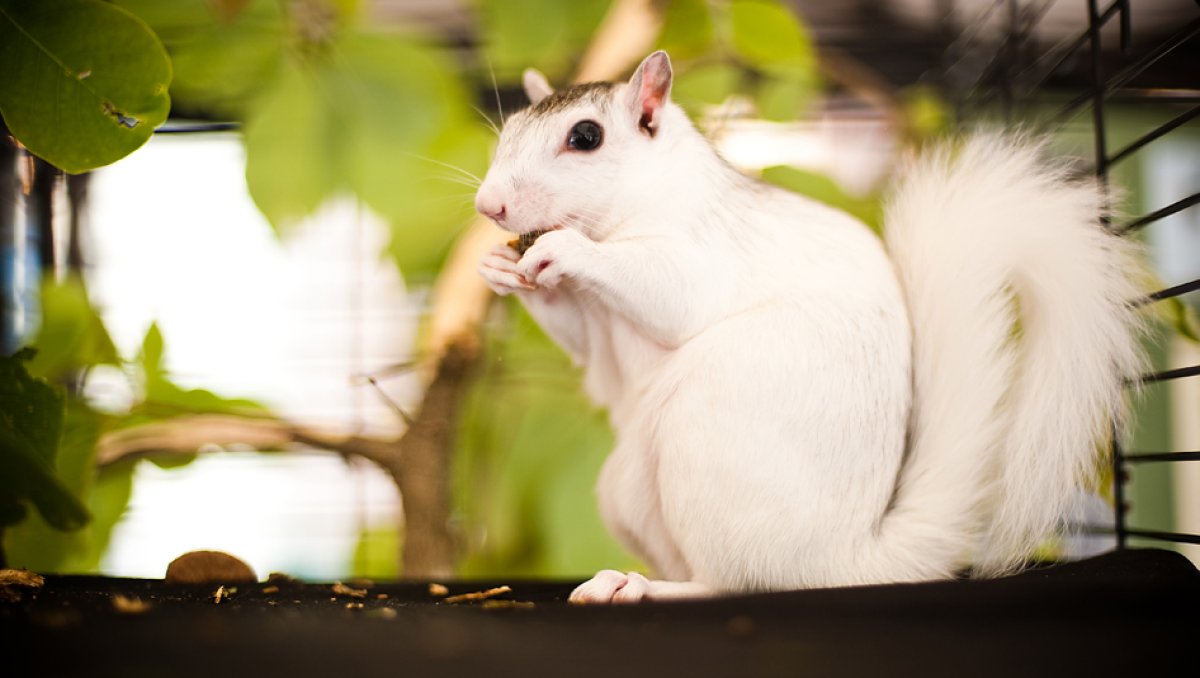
[[264, 323]]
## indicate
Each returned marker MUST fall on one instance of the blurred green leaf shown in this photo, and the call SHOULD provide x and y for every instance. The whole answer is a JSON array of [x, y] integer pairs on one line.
[[163, 398], [688, 30], [706, 84], [825, 190], [36, 545], [72, 336], [31, 425], [85, 83], [925, 112], [1182, 317], [222, 50], [785, 99], [380, 118], [545, 34], [377, 553], [528, 456], [770, 38]]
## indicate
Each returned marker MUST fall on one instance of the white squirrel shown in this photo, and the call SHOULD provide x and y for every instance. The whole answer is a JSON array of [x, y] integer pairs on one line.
[[797, 404]]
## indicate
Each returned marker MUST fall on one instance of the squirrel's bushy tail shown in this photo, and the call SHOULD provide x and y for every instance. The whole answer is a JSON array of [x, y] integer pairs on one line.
[[1023, 337]]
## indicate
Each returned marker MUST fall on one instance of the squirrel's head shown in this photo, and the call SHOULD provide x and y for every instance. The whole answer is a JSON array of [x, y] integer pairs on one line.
[[574, 156]]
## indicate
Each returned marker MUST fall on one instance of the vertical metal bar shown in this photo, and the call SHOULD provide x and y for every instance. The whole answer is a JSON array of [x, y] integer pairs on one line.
[[1118, 458], [1118, 481], [1094, 24]]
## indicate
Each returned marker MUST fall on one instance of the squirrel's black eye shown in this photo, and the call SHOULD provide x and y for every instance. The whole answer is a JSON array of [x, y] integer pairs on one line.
[[586, 135]]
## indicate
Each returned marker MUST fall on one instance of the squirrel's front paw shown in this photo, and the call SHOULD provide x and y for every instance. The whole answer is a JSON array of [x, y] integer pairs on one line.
[[610, 586], [499, 270], [554, 256]]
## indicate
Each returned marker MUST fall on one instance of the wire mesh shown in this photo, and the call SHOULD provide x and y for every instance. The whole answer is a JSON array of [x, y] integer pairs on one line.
[[1093, 71]]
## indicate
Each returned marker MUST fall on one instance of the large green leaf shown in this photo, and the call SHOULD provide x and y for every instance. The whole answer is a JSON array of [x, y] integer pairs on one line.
[[528, 455], [85, 83], [163, 398], [72, 336], [823, 189], [543, 34], [36, 545], [770, 37], [222, 51], [379, 117], [31, 424]]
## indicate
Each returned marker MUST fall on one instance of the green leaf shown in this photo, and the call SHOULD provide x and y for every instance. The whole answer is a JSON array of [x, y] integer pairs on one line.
[[687, 31], [769, 37], [36, 545], [545, 34], [529, 452], [85, 82], [785, 99], [1182, 317], [709, 84], [825, 190], [72, 336], [31, 424], [164, 398], [925, 112], [379, 117], [222, 50]]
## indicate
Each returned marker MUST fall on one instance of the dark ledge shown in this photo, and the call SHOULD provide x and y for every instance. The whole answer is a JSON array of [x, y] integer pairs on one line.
[[1127, 613]]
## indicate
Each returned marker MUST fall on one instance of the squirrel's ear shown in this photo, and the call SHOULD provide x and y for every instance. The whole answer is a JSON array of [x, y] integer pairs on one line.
[[536, 86], [649, 89]]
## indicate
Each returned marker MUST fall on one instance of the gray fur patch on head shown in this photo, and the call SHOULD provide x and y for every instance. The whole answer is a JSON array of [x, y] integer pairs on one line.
[[595, 92]]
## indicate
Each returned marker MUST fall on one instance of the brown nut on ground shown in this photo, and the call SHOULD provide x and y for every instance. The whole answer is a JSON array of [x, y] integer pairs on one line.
[[208, 567]]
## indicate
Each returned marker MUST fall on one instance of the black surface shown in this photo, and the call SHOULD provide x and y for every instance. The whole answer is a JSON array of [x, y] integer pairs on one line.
[[1129, 613]]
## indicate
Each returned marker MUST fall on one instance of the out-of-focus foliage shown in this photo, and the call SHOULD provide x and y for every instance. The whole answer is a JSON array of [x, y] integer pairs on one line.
[[548, 35], [31, 424], [756, 48], [85, 83], [821, 188], [530, 449], [70, 342], [333, 105]]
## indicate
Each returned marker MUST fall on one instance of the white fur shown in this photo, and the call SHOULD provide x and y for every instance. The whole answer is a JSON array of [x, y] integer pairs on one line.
[[759, 352]]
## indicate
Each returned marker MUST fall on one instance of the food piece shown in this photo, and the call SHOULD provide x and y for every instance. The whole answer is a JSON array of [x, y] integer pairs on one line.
[[208, 567], [220, 595], [129, 604], [21, 578], [342, 590], [525, 240], [438, 590], [270, 589], [478, 595], [507, 605]]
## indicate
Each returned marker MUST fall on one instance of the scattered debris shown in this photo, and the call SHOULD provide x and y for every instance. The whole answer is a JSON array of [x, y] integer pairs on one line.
[[342, 590], [478, 595], [209, 567], [381, 596], [221, 594], [438, 590], [15, 583], [354, 606], [270, 589], [129, 604], [507, 605], [21, 578]]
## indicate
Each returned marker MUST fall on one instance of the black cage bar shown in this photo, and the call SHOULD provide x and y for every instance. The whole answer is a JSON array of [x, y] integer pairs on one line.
[[1109, 61]]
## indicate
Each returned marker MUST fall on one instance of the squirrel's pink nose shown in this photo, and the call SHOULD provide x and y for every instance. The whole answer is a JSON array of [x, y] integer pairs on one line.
[[490, 206]]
